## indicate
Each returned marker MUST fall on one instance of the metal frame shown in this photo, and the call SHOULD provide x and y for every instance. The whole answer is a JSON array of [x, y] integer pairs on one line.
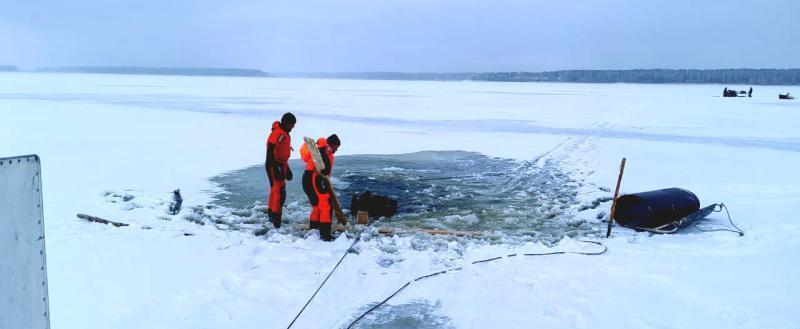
[[22, 235]]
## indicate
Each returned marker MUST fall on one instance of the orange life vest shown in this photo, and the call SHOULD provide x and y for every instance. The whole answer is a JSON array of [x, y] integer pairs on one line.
[[305, 154]]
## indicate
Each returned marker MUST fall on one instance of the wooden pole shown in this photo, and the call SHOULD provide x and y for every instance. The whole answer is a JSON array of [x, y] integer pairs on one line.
[[614, 202], [337, 209], [395, 230]]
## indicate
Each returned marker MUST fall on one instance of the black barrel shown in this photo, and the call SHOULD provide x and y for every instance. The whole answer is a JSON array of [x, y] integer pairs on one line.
[[377, 205], [652, 209]]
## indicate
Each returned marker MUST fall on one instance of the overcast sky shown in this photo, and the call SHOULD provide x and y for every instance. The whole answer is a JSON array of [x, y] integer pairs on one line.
[[402, 35]]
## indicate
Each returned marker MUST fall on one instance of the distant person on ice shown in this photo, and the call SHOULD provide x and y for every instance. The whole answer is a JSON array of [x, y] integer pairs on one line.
[[279, 148], [750, 92], [317, 188]]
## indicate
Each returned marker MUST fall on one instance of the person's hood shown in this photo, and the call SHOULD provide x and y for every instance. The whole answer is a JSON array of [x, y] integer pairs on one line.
[[322, 142], [276, 125]]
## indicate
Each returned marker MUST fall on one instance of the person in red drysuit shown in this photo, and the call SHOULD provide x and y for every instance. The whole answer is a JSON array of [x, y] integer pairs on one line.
[[279, 149], [317, 188]]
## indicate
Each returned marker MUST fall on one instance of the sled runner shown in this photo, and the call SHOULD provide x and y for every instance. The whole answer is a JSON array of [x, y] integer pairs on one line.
[[662, 211]]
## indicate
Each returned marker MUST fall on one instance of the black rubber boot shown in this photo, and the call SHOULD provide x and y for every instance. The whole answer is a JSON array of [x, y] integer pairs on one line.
[[276, 219], [325, 232], [313, 225]]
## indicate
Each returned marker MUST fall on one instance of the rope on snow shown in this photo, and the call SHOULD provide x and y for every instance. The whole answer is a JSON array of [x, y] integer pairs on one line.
[[721, 206], [477, 262], [326, 279]]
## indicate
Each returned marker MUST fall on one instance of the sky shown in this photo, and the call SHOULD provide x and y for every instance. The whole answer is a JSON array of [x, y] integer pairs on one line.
[[401, 36]]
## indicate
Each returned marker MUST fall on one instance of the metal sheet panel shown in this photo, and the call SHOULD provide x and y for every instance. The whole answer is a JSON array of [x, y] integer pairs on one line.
[[23, 269]]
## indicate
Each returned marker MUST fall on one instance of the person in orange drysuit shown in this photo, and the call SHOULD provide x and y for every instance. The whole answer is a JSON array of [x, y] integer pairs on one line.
[[279, 149], [317, 188]]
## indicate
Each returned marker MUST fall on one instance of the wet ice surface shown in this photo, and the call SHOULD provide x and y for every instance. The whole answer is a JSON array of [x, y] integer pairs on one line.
[[418, 314], [451, 190]]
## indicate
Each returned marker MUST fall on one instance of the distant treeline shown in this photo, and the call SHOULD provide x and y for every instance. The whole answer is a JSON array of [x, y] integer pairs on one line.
[[160, 71], [381, 76], [716, 76], [719, 76]]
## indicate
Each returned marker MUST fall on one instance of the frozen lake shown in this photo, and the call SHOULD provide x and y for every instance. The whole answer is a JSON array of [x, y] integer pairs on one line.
[[533, 159]]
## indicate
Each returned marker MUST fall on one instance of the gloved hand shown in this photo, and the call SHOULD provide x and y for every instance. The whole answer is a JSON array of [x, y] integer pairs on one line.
[[289, 174], [279, 174]]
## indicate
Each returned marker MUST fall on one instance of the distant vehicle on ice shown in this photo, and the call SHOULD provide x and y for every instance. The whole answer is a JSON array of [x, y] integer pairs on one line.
[[785, 96], [733, 93]]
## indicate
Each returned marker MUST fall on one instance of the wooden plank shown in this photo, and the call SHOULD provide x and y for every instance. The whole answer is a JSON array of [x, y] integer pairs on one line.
[[334, 227], [100, 220], [311, 144], [319, 165], [392, 230], [337, 209], [396, 230], [362, 218]]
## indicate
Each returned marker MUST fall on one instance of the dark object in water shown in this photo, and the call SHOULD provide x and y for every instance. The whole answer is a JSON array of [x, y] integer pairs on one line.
[[785, 96], [655, 209], [375, 204], [175, 205]]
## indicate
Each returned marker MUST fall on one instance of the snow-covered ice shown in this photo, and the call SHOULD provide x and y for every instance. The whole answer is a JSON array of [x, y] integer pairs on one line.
[[116, 146]]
